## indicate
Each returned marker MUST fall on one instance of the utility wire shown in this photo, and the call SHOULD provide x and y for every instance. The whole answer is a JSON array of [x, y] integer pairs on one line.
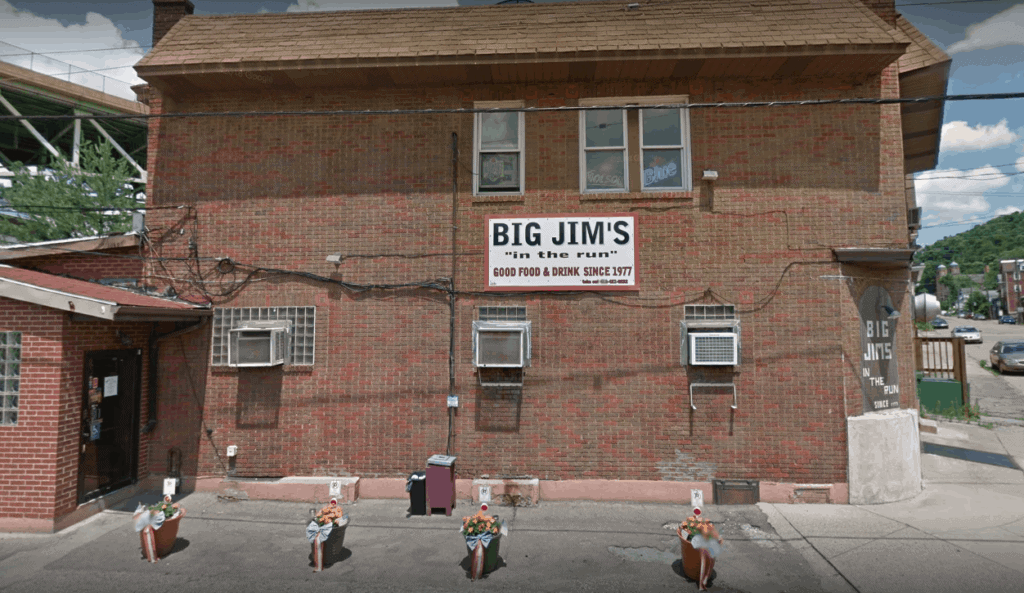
[[569, 108]]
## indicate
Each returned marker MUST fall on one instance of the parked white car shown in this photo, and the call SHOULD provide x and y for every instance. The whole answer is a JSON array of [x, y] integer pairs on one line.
[[970, 334]]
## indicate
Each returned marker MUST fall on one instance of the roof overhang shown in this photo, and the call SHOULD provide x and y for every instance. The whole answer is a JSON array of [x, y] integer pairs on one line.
[[876, 257], [64, 246], [855, 62], [83, 306]]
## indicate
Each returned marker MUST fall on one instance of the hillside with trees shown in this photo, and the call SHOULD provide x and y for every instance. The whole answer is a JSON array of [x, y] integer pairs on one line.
[[986, 244]]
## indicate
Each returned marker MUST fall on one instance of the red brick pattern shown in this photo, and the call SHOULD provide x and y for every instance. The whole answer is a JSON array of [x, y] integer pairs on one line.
[[606, 396], [39, 476]]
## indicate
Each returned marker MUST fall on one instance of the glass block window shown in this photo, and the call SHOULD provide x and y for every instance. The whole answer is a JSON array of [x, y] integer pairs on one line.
[[502, 313], [303, 330], [709, 312], [10, 377]]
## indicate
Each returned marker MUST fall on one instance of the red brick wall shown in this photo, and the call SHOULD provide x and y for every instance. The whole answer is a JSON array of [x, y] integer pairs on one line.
[[28, 475], [115, 263], [606, 396], [39, 479]]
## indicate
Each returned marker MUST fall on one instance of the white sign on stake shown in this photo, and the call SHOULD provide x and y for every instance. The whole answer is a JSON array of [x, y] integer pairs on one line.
[[170, 486], [561, 252], [696, 498]]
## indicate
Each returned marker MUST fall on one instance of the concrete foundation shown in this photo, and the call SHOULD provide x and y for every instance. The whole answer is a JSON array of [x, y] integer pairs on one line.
[[885, 457]]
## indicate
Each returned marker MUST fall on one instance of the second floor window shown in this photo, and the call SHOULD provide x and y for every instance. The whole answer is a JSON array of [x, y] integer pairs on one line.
[[498, 149], [660, 137]]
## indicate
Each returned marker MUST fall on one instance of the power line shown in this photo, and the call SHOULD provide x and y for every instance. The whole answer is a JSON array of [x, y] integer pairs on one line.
[[572, 108]]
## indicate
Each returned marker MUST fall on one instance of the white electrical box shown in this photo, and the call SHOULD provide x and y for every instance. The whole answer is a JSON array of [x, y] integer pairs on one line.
[[232, 450]]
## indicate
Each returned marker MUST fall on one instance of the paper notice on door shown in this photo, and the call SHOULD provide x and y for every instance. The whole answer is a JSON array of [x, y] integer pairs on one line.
[[110, 386]]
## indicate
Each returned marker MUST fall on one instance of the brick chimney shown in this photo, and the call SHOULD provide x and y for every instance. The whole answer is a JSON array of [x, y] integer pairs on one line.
[[166, 13], [885, 9]]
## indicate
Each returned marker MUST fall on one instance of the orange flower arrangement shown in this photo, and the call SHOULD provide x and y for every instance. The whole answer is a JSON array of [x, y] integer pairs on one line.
[[331, 513], [694, 526], [480, 523]]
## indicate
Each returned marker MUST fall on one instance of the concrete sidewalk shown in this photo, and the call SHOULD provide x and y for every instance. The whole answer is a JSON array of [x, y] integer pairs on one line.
[[964, 532]]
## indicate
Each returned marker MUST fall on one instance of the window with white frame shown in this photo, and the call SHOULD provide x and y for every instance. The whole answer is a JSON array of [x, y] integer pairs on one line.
[[10, 377], [498, 146], [661, 139], [302, 331]]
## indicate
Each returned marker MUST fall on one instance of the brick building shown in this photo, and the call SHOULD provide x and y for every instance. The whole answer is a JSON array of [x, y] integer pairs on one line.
[[1011, 296], [372, 216], [78, 377]]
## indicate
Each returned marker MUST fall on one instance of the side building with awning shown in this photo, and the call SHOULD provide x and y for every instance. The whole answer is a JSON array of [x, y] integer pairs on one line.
[[79, 379]]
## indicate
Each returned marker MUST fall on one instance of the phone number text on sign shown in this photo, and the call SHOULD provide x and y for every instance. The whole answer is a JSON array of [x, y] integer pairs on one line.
[[561, 253]]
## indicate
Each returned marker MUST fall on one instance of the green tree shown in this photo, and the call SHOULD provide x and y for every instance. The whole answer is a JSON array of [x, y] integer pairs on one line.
[[62, 201], [977, 303]]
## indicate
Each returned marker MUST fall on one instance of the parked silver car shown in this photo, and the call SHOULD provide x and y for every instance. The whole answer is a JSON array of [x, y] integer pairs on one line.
[[1007, 356], [968, 333]]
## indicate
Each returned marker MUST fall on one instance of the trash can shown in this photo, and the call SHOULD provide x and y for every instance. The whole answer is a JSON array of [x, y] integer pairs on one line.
[[416, 486], [940, 396]]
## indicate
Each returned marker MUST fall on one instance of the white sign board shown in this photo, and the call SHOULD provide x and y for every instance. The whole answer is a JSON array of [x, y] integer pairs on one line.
[[561, 252], [696, 498], [110, 386], [170, 486]]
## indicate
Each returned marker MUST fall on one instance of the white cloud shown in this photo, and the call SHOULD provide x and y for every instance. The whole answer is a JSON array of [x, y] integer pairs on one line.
[[21, 30], [953, 194], [319, 5], [1005, 28], [1006, 210], [958, 136]]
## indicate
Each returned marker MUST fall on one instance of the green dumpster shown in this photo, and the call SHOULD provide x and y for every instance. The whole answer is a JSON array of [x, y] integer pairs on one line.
[[939, 396]]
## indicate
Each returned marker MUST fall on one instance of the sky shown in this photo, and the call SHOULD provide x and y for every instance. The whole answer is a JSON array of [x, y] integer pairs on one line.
[[980, 173]]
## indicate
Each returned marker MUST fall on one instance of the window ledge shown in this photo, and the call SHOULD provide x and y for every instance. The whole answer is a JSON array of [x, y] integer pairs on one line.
[[498, 198], [642, 195]]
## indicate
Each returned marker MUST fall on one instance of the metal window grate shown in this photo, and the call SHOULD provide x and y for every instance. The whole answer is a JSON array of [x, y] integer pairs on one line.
[[303, 337], [709, 312], [713, 348], [502, 313], [10, 377]]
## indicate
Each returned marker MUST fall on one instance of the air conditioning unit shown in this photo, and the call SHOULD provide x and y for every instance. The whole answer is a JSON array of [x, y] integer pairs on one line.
[[914, 218], [501, 344], [713, 348], [259, 344]]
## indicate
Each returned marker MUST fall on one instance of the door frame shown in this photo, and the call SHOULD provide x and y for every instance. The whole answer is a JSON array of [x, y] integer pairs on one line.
[[136, 396]]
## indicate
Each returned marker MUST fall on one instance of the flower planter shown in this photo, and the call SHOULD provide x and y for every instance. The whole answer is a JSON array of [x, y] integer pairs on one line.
[[483, 559], [326, 535], [167, 534], [697, 564], [157, 534], [330, 550]]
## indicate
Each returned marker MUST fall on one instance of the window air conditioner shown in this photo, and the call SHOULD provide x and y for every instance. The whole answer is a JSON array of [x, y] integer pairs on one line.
[[914, 218], [259, 344], [713, 348], [501, 344]]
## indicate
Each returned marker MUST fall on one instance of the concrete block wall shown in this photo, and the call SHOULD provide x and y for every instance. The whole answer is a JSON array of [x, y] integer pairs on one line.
[[606, 397]]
